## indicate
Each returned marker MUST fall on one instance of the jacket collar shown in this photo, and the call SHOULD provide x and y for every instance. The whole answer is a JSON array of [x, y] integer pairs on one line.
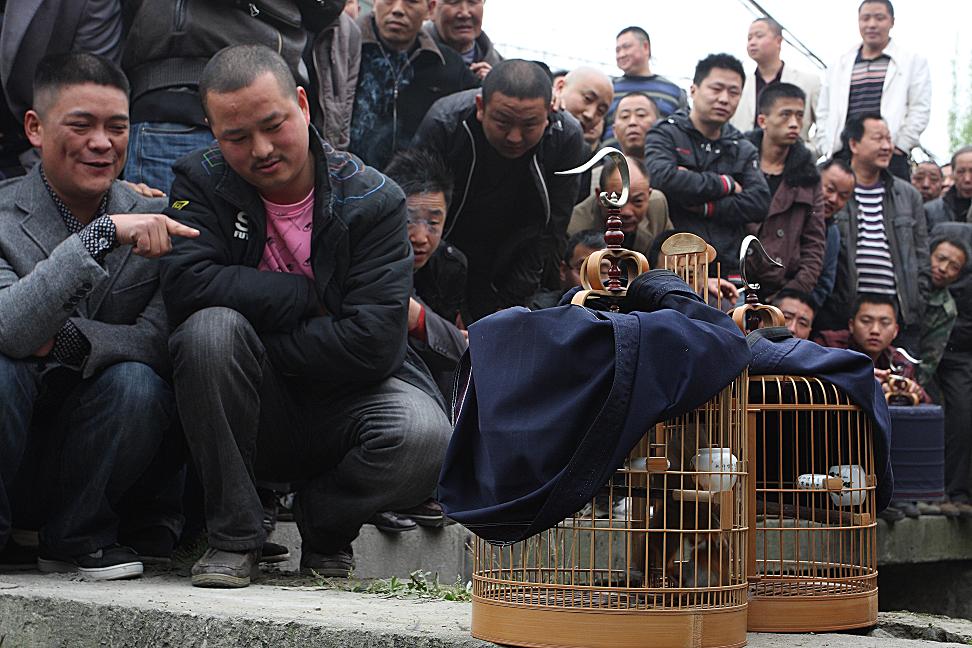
[[41, 220], [369, 34], [680, 118]]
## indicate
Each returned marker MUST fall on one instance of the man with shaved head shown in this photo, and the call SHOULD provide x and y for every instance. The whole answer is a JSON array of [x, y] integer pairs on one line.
[[586, 94], [291, 361]]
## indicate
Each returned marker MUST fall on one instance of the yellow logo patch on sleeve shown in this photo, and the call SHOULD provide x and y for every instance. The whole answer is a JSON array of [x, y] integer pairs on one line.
[[179, 204]]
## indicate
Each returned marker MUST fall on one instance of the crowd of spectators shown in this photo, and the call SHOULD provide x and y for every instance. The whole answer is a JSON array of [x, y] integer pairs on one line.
[[241, 244]]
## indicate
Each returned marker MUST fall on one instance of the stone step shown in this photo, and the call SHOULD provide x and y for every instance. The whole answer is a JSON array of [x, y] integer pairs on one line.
[[163, 610], [443, 551]]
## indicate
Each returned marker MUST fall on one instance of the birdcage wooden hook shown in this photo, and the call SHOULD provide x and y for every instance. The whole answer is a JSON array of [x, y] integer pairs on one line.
[[753, 315], [593, 284]]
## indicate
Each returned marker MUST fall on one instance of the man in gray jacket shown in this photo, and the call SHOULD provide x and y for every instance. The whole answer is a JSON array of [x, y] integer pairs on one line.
[[83, 330], [883, 235]]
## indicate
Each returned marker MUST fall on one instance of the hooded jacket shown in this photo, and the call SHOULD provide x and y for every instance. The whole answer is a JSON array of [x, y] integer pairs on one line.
[[360, 255], [700, 193], [517, 264], [522, 459], [794, 232]]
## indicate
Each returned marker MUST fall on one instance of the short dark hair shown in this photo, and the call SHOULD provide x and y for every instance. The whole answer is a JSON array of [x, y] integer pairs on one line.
[[962, 151], [637, 31], [776, 91], [937, 238], [420, 171], [237, 66], [874, 298], [838, 162], [610, 166], [722, 61], [58, 71], [791, 293], [591, 238], [639, 93], [774, 26], [518, 79], [854, 128], [886, 3]]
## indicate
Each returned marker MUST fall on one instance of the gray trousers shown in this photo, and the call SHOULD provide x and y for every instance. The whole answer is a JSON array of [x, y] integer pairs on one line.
[[350, 451], [954, 376]]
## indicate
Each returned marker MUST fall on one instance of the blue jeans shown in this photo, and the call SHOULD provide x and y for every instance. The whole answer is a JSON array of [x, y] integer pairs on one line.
[[90, 441], [153, 147]]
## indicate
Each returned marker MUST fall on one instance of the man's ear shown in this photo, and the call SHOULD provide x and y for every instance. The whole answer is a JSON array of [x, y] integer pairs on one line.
[[303, 103], [480, 108], [692, 89], [563, 272], [761, 120], [33, 128]]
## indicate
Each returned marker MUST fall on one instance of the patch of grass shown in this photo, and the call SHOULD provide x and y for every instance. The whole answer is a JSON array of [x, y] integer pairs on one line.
[[420, 584]]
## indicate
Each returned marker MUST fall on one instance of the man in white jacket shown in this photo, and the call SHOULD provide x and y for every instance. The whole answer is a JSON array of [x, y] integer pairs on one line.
[[763, 44], [876, 76]]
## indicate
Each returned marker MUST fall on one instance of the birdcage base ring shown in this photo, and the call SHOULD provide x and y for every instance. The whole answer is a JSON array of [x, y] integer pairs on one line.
[[813, 613], [532, 627]]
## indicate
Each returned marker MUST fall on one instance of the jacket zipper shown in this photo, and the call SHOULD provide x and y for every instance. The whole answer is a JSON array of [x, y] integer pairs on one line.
[[180, 15], [546, 193], [465, 192]]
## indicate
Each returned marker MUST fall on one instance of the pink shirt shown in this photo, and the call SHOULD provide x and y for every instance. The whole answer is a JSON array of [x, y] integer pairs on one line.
[[289, 229]]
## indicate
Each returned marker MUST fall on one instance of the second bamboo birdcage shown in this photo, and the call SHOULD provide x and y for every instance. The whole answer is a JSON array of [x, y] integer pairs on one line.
[[814, 526], [659, 556]]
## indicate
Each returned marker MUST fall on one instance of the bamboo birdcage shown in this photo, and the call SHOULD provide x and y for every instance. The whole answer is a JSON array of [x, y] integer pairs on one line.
[[813, 543], [814, 526], [659, 556]]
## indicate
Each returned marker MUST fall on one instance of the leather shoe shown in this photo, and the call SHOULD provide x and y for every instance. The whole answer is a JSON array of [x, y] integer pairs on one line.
[[427, 514], [218, 568], [274, 553], [389, 522], [334, 565]]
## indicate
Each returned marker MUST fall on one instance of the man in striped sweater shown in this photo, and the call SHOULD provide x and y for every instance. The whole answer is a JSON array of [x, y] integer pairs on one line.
[[884, 240], [633, 55]]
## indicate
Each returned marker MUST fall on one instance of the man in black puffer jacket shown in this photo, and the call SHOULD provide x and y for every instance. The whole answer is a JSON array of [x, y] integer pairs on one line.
[[290, 356], [510, 212], [708, 171]]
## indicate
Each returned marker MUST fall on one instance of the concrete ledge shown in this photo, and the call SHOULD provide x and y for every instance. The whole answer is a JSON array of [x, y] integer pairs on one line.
[[928, 539], [164, 610], [383, 555], [52, 610]]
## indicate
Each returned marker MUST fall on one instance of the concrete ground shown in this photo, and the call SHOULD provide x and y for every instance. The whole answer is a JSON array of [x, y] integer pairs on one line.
[[164, 610]]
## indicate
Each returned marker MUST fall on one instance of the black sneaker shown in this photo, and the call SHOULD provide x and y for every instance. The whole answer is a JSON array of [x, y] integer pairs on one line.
[[334, 565], [274, 553], [114, 562], [388, 522], [16, 557], [218, 568]]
